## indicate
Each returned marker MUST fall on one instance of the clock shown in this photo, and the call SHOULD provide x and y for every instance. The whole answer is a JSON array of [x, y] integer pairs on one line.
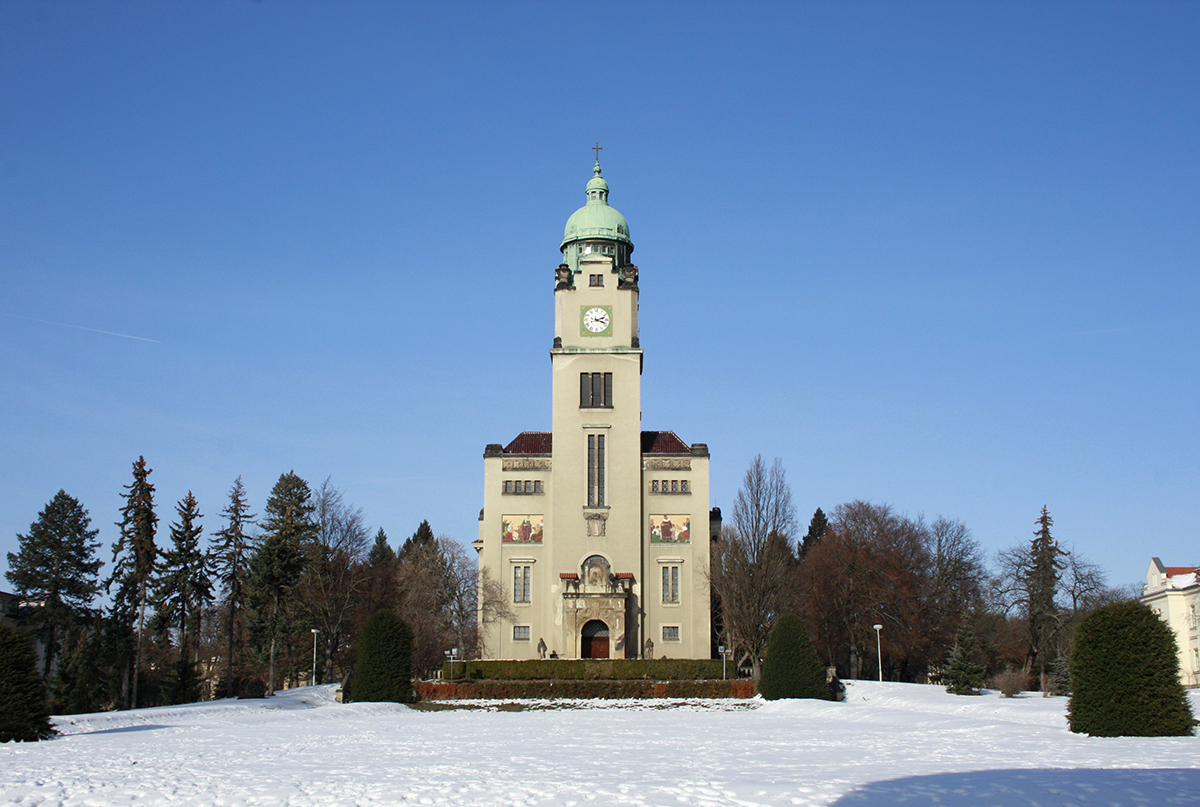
[[597, 320]]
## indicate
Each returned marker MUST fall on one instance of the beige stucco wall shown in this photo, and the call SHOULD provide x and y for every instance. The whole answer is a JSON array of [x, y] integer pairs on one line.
[[624, 539], [1177, 601]]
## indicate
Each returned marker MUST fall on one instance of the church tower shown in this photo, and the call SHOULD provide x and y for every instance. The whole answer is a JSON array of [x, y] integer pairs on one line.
[[594, 537]]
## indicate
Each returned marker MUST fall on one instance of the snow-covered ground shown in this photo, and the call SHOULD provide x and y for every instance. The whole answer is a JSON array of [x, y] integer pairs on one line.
[[887, 744]]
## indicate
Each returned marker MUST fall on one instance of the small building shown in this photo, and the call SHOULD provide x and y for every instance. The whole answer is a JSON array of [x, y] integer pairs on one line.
[[1174, 594]]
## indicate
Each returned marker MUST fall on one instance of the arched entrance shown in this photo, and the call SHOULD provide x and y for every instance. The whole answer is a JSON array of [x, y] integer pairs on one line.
[[594, 640]]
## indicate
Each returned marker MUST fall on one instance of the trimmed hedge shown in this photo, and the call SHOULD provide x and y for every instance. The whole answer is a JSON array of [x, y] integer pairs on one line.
[[1125, 676], [792, 668], [629, 669], [610, 689], [384, 669]]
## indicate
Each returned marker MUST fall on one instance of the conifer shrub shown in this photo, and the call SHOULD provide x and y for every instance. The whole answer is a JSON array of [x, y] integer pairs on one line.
[[384, 668], [963, 676], [24, 708], [1125, 676], [791, 668]]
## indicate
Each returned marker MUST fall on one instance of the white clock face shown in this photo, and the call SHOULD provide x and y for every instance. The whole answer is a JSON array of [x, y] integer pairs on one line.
[[595, 320]]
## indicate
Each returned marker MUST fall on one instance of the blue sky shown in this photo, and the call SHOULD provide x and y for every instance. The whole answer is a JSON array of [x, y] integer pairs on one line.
[[938, 255]]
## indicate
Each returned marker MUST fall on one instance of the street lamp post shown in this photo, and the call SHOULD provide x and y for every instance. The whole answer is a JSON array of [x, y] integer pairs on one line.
[[726, 654], [878, 654], [451, 655], [314, 670]]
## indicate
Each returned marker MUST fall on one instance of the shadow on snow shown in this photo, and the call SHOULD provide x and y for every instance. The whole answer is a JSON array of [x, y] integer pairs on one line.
[[1024, 788]]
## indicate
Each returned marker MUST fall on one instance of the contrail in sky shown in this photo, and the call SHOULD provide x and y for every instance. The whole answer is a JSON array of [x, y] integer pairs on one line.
[[93, 330]]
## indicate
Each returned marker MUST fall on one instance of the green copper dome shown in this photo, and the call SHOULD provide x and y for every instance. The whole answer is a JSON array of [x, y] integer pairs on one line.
[[596, 219]]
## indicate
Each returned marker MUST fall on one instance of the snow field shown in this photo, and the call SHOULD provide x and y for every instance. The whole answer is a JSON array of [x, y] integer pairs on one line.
[[888, 744]]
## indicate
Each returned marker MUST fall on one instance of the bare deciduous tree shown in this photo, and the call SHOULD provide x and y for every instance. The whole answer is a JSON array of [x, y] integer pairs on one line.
[[752, 570], [438, 599], [333, 578]]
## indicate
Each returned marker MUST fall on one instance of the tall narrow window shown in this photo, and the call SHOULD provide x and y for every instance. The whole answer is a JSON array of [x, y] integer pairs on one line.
[[595, 478], [670, 584], [521, 584]]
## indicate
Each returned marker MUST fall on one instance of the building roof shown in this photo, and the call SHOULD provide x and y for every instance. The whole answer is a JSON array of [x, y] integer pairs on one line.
[[596, 219], [663, 443], [530, 443], [543, 443], [1173, 571]]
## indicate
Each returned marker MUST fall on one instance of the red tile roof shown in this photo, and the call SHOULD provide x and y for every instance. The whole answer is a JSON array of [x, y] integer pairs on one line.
[[542, 443], [530, 443], [624, 575], [1172, 571], [568, 576], [663, 443]]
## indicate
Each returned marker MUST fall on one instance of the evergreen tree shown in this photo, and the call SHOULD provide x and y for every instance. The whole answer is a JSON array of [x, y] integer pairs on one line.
[[380, 590], [1060, 674], [1041, 582], [230, 560], [381, 553], [792, 668], [24, 710], [56, 567], [421, 539], [384, 668], [183, 587], [134, 563], [963, 676], [278, 560], [1125, 676], [816, 529], [77, 685]]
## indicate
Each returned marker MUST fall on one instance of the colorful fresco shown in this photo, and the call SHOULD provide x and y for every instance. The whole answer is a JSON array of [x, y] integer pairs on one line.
[[521, 529], [670, 529]]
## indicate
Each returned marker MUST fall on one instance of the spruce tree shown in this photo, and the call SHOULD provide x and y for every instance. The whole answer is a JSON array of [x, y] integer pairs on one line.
[[381, 553], [384, 668], [421, 539], [1125, 676], [56, 567], [183, 587], [792, 668], [1060, 674], [1041, 583], [278, 560], [134, 564], [24, 710], [78, 683], [963, 676], [230, 559], [816, 529]]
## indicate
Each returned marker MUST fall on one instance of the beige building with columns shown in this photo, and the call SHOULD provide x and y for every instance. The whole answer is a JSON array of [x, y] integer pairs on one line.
[[595, 535]]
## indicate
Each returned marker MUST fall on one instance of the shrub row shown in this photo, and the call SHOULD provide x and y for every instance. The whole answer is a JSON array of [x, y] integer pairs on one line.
[[664, 669], [568, 688]]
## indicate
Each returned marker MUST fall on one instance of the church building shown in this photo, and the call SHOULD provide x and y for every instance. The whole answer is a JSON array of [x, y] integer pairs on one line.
[[595, 535]]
